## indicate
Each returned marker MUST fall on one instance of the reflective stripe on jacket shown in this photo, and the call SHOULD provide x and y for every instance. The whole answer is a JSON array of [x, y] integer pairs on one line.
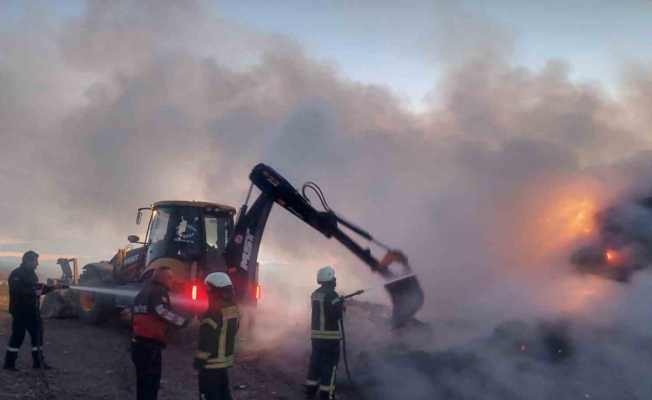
[[217, 333], [326, 314], [152, 313]]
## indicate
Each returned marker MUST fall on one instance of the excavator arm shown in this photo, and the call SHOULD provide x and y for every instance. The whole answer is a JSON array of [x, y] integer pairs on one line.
[[404, 289]]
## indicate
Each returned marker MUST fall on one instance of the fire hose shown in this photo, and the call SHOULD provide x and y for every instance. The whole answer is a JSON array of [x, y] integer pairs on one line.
[[342, 299], [41, 360], [39, 353]]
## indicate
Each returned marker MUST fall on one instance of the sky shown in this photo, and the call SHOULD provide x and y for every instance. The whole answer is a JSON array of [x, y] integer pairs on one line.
[[389, 43]]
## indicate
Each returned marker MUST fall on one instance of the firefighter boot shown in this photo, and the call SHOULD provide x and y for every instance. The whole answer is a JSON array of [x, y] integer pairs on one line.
[[38, 362], [10, 360], [326, 395], [310, 391]]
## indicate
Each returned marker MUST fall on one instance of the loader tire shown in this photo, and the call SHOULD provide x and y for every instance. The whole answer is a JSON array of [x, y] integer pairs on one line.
[[94, 308]]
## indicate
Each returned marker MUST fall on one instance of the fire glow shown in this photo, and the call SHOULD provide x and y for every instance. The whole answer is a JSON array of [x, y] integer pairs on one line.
[[578, 294], [578, 216], [563, 220], [611, 256]]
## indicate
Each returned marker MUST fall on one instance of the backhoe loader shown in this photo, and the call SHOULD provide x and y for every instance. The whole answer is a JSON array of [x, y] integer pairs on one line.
[[196, 238]]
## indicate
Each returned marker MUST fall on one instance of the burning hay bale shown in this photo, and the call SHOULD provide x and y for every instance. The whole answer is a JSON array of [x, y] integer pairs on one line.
[[623, 243], [548, 341], [421, 375], [483, 368]]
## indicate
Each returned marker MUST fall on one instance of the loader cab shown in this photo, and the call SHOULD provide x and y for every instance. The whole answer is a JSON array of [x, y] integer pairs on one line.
[[187, 236]]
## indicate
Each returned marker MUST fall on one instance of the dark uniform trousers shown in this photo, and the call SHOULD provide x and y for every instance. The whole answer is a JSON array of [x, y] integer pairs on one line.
[[146, 356], [214, 384], [215, 352], [325, 334], [323, 368], [151, 317], [25, 322], [24, 302]]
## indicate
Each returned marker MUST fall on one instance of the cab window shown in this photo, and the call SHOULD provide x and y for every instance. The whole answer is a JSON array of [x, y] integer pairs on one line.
[[159, 227], [217, 231]]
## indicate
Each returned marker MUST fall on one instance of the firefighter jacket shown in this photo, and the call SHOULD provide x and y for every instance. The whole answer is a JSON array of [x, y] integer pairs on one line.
[[152, 314], [217, 338], [25, 291], [326, 314]]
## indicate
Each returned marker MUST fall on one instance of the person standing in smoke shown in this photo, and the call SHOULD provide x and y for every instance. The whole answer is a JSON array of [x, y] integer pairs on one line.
[[152, 316], [24, 306], [216, 349], [326, 334]]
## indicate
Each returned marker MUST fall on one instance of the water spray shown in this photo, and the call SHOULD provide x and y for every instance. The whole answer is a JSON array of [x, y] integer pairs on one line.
[[178, 300], [372, 288], [389, 282], [117, 292]]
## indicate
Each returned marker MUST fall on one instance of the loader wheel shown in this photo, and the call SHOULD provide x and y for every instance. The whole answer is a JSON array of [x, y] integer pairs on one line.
[[93, 307]]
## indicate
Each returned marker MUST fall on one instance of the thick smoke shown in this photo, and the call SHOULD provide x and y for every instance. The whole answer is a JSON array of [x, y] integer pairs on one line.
[[487, 191]]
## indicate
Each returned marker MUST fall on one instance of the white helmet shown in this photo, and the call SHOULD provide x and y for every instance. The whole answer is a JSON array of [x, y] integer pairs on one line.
[[326, 274], [218, 280]]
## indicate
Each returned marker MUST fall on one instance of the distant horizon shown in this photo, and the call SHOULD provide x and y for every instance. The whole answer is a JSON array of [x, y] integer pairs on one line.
[[44, 271]]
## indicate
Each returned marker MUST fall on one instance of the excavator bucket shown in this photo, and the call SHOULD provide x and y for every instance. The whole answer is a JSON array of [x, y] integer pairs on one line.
[[407, 298], [404, 290]]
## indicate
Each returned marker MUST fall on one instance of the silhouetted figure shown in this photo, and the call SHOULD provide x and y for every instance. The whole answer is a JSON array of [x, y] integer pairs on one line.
[[24, 306]]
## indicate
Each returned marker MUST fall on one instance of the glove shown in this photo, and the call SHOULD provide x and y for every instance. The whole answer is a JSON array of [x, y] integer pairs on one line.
[[38, 289]]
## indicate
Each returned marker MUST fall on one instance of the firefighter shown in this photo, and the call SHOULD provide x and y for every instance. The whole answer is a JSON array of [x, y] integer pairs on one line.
[[217, 332], [325, 335], [24, 306], [152, 316]]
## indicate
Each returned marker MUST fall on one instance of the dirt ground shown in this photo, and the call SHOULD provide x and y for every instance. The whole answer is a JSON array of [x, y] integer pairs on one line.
[[93, 362]]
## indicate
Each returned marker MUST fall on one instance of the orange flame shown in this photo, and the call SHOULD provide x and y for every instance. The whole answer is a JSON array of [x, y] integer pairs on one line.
[[540, 224], [611, 256]]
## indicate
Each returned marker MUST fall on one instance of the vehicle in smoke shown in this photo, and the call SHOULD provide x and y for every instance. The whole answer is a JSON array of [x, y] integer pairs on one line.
[[189, 237], [194, 239], [623, 244]]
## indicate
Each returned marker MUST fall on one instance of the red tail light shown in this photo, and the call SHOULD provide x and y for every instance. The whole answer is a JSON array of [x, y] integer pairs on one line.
[[257, 292], [195, 292]]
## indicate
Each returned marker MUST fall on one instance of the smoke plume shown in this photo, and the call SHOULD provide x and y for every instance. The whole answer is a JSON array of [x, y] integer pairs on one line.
[[488, 191]]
